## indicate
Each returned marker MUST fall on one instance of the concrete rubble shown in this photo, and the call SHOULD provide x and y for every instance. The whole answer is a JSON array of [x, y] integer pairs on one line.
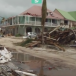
[[8, 67]]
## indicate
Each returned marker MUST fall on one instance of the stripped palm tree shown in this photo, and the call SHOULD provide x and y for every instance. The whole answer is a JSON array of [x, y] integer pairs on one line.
[[44, 11], [41, 73]]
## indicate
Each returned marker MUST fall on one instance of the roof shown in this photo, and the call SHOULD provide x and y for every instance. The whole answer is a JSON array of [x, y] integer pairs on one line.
[[66, 15], [73, 14], [36, 11]]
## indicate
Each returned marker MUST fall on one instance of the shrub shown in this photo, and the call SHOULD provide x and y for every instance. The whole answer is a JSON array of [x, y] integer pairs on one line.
[[23, 43], [18, 35]]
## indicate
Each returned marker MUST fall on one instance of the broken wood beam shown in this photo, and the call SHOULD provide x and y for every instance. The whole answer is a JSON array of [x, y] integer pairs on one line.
[[59, 47]]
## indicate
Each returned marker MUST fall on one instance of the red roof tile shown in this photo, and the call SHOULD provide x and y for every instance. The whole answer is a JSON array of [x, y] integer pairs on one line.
[[36, 11]]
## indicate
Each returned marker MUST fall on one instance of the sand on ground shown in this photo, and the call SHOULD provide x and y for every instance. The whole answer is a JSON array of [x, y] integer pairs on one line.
[[67, 58]]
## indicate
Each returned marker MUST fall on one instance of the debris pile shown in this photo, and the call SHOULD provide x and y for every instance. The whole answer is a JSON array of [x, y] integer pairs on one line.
[[33, 43], [7, 70], [58, 36]]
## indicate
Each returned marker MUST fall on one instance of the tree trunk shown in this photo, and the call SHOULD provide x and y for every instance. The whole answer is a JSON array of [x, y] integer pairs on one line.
[[42, 34], [41, 69], [44, 11]]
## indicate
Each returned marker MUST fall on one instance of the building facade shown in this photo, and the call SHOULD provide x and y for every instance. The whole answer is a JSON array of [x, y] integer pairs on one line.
[[30, 21]]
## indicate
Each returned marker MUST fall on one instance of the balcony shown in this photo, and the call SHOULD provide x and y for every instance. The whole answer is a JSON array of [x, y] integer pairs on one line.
[[33, 23], [48, 24]]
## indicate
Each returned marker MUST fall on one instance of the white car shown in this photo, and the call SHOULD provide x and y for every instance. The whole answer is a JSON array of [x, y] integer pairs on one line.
[[30, 35]]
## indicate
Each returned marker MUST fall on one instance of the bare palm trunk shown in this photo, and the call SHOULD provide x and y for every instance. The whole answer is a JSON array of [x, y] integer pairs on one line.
[[44, 11], [41, 69], [42, 34]]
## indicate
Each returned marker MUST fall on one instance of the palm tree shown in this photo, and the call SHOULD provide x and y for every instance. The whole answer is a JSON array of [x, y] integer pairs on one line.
[[44, 11], [41, 73], [3, 19]]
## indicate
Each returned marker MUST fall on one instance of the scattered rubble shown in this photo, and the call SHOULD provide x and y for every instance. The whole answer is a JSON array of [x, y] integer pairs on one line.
[[33, 43], [5, 55], [57, 37]]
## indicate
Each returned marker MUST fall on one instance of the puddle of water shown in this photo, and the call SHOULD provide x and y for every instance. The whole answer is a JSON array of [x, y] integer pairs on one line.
[[34, 63], [60, 72]]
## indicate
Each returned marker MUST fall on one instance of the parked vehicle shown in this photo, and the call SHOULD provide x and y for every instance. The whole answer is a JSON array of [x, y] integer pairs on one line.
[[30, 35]]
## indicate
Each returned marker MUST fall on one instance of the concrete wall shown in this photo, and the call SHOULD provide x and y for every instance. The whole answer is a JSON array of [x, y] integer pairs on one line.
[[22, 29], [62, 21]]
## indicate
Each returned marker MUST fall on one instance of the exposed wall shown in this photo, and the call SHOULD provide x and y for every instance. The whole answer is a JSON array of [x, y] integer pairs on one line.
[[21, 30], [61, 21]]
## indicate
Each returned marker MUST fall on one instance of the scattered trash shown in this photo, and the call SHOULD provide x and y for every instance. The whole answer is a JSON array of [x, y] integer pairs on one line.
[[25, 73], [5, 55]]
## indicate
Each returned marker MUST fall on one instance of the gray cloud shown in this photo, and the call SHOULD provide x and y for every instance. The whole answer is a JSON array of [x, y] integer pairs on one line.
[[14, 7]]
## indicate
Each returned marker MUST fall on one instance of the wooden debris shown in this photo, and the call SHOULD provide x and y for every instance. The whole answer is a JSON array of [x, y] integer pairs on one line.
[[14, 73], [58, 37], [59, 47], [33, 43]]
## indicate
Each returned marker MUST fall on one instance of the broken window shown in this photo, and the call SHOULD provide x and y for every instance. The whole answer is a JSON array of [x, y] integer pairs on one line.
[[32, 18], [54, 21], [65, 22]]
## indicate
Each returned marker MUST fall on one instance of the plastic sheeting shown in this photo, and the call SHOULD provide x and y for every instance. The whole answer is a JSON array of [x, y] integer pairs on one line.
[[5, 55]]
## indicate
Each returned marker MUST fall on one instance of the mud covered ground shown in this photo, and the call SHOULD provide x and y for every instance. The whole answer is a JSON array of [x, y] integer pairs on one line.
[[55, 57]]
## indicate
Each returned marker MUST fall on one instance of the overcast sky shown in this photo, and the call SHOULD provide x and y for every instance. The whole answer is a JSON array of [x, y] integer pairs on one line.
[[14, 7]]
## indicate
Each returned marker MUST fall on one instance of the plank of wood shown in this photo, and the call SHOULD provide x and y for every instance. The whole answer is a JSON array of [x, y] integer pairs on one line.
[[59, 47]]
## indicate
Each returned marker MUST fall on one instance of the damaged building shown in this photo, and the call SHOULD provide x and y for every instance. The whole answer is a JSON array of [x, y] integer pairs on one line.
[[30, 21]]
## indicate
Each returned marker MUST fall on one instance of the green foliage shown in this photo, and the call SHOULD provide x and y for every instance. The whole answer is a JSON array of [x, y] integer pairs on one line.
[[23, 43], [18, 35], [3, 19]]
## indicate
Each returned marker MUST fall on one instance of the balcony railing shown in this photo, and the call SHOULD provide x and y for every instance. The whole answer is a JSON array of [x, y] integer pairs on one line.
[[30, 22], [39, 23]]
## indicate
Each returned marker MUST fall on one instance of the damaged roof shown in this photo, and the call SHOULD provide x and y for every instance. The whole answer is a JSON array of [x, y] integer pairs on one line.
[[36, 11]]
